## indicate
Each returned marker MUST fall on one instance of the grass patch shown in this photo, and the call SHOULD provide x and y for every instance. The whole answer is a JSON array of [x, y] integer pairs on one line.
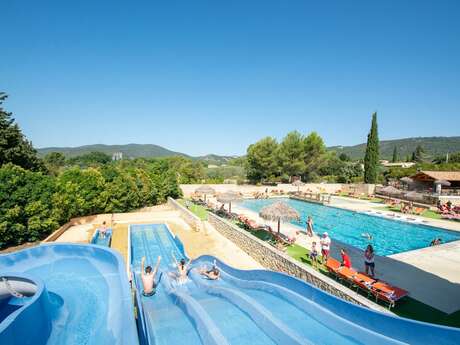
[[198, 210], [427, 213]]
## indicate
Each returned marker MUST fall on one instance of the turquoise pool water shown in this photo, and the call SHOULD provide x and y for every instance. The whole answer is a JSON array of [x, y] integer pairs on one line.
[[389, 236]]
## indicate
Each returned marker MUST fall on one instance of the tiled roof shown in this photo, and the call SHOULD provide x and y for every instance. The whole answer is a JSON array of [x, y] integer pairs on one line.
[[442, 175]]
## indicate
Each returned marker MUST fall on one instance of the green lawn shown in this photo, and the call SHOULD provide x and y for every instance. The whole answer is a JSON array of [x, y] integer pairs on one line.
[[427, 213], [198, 210]]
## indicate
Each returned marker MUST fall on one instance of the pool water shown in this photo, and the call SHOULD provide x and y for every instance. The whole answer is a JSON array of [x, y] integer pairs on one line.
[[388, 236]]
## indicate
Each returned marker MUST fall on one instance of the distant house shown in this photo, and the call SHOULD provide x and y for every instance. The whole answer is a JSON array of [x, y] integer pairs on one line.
[[389, 164], [117, 156], [429, 179]]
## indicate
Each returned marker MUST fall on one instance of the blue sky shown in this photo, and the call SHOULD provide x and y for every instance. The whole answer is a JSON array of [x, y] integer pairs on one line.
[[214, 76]]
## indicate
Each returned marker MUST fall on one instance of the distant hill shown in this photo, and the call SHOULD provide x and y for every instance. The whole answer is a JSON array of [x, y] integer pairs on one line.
[[433, 146], [131, 151]]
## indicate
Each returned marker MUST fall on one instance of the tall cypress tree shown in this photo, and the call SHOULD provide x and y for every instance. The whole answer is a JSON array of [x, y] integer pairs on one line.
[[371, 159], [395, 155]]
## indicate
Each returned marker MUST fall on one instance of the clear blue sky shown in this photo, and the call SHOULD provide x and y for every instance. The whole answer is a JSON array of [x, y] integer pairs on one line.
[[214, 76]]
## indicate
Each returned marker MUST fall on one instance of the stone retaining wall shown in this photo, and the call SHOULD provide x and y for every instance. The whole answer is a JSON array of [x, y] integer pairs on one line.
[[188, 216], [276, 260]]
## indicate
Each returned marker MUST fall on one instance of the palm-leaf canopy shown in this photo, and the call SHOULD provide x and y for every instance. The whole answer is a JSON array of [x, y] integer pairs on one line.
[[407, 180], [205, 189], [229, 196], [390, 190], [279, 211]]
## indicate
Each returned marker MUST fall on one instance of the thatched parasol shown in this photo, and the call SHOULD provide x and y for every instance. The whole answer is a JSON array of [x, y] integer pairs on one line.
[[205, 189], [390, 190], [229, 197], [406, 180], [414, 196], [443, 183], [298, 183], [279, 211]]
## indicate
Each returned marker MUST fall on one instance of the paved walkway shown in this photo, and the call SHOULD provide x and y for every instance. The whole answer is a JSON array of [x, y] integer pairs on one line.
[[432, 275]]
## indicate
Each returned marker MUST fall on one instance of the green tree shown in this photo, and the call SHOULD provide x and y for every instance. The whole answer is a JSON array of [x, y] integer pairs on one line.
[[344, 157], [90, 159], [418, 155], [394, 159], [290, 154], [314, 156], [26, 209], [80, 193], [14, 147], [261, 160], [371, 158]]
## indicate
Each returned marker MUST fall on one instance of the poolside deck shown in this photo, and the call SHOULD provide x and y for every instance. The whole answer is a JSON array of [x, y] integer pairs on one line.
[[432, 275]]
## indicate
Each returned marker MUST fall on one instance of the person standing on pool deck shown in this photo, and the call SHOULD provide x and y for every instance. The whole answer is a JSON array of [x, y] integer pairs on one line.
[[310, 226], [369, 260], [325, 246], [148, 277], [346, 261]]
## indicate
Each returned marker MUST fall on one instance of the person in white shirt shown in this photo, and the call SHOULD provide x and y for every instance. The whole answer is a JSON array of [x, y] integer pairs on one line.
[[148, 278], [325, 246]]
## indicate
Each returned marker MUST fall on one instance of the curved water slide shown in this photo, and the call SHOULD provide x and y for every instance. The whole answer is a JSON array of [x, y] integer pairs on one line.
[[258, 307], [65, 294]]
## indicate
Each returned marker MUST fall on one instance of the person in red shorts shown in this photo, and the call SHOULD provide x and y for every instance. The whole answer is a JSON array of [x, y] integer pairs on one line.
[[346, 262], [325, 243]]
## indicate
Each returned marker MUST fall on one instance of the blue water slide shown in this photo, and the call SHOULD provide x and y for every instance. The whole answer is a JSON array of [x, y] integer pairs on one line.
[[102, 239], [65, 294]]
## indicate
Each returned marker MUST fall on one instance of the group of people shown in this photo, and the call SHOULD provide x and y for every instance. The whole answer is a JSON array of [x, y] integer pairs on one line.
[[369, 263], [150, 283], [325, 245]]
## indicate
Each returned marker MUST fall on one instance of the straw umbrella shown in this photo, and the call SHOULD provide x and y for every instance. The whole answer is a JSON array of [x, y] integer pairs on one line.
[[390, 190], [229, 197], [298, 183], [414, 196], [406, 180], [279, 211], [205, 189]]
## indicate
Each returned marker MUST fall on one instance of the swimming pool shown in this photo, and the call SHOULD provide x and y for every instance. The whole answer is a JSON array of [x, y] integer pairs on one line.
[[255, 307], [388, 236], [81, 296]]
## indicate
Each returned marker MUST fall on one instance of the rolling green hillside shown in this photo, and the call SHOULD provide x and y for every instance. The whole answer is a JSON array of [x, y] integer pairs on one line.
[[433, 146], [129, 150]]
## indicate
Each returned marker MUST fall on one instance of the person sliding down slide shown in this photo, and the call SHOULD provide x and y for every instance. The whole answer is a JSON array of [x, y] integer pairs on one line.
[[148, 278], [182, 270], [212, 274]]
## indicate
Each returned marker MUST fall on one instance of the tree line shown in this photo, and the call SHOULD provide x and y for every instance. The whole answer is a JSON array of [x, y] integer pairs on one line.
[[37, 196], [298, 155]]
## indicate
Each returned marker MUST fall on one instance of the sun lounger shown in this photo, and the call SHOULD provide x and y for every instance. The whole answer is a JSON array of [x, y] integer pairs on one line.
[[379, 289]]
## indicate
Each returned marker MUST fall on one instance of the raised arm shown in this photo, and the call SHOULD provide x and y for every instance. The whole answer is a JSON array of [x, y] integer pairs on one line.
[[155, 270], [142, 264]]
